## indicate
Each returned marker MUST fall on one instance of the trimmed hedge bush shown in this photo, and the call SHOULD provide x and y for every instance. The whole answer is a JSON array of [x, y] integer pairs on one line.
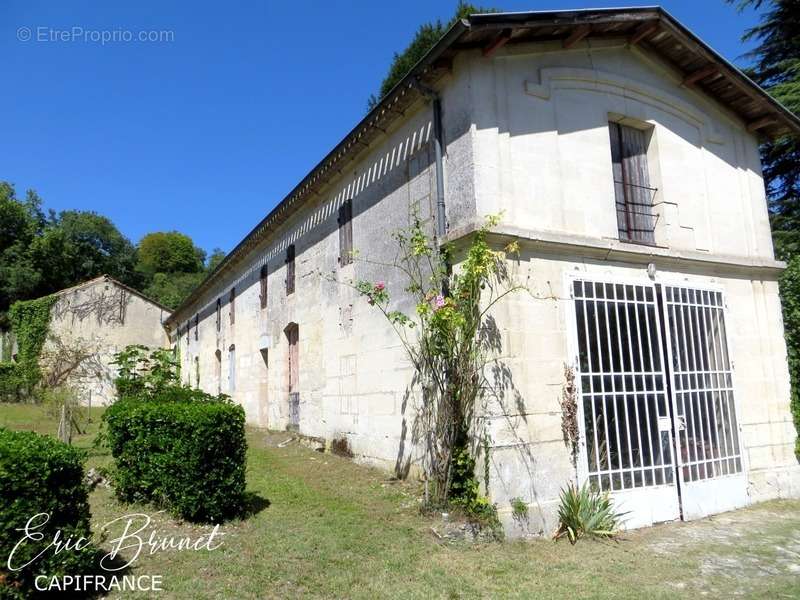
[[39, 474], [186, 457]]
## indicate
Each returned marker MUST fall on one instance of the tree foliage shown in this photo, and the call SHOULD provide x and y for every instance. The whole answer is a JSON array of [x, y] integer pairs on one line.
[[43, 253], [169, 252], [426, 37]]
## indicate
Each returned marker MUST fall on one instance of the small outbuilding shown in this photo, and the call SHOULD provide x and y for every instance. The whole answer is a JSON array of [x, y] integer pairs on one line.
[[89, 323]]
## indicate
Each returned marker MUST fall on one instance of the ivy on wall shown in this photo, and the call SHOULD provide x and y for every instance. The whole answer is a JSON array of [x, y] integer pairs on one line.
[[790, 297], [30, 322]]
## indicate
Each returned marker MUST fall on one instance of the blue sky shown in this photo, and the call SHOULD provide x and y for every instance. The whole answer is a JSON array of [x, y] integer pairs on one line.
[[207, 132]]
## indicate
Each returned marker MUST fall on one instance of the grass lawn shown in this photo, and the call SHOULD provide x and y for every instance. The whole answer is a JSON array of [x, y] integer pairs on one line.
[[335, 529]]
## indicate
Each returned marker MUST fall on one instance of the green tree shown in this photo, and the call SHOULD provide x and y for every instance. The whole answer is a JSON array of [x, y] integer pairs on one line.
[[426, 37], [42, 254], [172, 266], [169, 252], [170, 289], [216, 257], [98, 247]]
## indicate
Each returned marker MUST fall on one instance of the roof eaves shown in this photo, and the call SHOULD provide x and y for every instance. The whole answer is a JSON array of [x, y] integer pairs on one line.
[[342, 149]]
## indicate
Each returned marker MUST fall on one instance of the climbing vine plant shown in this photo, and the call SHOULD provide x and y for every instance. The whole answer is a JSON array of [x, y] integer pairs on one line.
[[30, 322], [450, 340]]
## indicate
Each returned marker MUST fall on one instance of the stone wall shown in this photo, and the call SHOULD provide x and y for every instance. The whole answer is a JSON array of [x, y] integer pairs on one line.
[[101, 317]]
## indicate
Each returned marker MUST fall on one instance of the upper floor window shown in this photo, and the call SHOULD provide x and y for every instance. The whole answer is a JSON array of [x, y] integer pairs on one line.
[[188, 330], [346, 233], [290, 270], [263, 280], [232, 305], [636, 219], [196, 326], [219, 314]]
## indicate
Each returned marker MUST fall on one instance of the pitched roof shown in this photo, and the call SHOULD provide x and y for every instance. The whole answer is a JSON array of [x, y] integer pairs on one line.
[[109, 279], [651, 28]]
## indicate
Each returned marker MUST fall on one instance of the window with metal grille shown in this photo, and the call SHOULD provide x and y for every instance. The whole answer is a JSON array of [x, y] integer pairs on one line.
[[290, 270], [219, 314], [232, 305], [346, 233], [263, 280], [636, 219]]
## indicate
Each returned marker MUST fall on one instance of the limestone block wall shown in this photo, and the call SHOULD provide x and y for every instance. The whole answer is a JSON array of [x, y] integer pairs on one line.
[[102, 318], [354, 378], [542, 153]]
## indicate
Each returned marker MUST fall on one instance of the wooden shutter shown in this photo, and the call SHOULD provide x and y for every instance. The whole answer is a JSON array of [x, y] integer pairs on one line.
[[263, 280], [346, 233], [634, 196], [233, 305], [290, 270]]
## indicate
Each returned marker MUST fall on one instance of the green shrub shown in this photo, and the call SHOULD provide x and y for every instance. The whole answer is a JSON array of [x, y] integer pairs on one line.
[[39, 474], [586, 512], [14, 382], [145, 372], [185, 456]]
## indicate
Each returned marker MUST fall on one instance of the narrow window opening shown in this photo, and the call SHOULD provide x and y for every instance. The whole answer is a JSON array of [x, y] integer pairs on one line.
[[636, 219], [219, 314], [346, 233], [232, 304], [290, 270], [196, 326], [263, 280]]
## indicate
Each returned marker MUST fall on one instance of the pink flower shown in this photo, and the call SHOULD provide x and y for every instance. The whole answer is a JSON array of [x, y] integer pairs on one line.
[[380, 286], [439, 301]]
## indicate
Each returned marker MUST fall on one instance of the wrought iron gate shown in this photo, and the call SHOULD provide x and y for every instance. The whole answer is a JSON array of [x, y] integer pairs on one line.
[[624, 398], [707, 432], [656, 399]]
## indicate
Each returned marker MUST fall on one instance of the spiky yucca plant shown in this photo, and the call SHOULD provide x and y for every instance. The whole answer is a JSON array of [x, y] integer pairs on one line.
[[586, 512]]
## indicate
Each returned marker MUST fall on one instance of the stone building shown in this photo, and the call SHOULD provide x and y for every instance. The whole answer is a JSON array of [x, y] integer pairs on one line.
[[622, 154], [89, 323]]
